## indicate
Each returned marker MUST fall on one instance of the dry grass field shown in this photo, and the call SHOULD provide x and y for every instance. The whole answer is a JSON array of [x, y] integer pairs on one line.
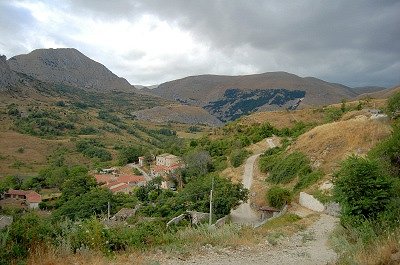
[[328, 144], [282, 119]]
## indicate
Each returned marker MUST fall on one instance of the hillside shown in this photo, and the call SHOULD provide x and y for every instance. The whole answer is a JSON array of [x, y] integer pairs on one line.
[[68, 67], [177, 113], [229, 97], [367, 89], [328, 144], [382, 94]]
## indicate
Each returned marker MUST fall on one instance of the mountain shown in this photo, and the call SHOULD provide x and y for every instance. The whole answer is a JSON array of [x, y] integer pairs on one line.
[[7, 77], [367, 89], [229, 97], [385, 93], [70, 67]]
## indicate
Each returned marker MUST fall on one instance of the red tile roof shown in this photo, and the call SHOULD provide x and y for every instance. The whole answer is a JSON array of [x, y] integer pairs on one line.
[[30, 195], [102, 178], [118, 187], [33, 197], [17, 192], [131, 179]]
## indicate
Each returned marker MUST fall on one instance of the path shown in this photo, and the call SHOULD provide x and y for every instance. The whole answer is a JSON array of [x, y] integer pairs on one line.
[[244, 214], [308, 247], [145, 175]]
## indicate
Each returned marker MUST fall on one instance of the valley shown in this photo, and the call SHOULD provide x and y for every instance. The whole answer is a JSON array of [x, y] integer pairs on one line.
[[114, 164]]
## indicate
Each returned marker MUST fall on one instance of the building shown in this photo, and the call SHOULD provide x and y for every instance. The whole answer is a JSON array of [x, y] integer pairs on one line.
[[132, 180], [167, 160], [105, 178], [141, 161], [118, 187], [123, 183], [31, 198]]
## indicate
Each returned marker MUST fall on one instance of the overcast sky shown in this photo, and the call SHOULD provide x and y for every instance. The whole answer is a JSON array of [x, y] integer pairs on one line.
[[355, 43]]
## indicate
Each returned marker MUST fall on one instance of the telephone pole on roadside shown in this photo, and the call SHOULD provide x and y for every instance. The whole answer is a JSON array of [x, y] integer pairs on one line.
[[108, 211], [211, 201]]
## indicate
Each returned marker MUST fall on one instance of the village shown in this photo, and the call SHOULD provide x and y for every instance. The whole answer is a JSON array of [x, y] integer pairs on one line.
[[123, 179]]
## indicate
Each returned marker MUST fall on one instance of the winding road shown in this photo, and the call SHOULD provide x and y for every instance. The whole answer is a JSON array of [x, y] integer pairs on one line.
[[244, 214]]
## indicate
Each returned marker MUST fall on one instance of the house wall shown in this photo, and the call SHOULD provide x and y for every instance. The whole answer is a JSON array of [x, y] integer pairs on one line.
[[34, 205], [172, 160]]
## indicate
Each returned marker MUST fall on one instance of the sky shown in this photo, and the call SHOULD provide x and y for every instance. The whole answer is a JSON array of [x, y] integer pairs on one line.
[[355, 43]]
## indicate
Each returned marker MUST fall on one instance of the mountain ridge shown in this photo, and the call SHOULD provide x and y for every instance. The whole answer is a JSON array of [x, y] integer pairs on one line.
[[68, 66]]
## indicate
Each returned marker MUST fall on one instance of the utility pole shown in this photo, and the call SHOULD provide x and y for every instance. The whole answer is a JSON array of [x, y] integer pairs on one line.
[[211, 201], [108, 211]]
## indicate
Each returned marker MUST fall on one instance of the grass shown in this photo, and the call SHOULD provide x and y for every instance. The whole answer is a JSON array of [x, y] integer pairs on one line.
[[331, 143], [352, 249]]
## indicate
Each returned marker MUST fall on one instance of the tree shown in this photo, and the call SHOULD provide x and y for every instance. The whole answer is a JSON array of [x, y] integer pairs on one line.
[[198, 163], [227, 195], [361, 189], [394, 105], [87, 204], [76, 186], [129, 154], [9, 182]]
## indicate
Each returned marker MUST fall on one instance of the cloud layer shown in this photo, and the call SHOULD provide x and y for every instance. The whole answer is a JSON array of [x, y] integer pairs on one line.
[[351, 42]]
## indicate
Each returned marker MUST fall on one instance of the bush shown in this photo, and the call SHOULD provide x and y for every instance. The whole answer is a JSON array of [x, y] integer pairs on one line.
[[332, 114], [284, 168], [388, 153], [26, 232], [394, 105], [362, 189], [277, 197], [238, 156], [307, 180], [94, 149]]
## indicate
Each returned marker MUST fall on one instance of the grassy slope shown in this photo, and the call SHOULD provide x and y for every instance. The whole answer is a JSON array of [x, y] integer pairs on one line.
[[23, 154]]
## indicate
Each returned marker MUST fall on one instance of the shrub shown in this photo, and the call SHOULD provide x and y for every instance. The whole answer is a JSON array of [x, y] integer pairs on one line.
[[94, 149], [238, 156], [277, 196], [394, 105], [333, 114], [362, 189], [388, 153], [284, 168], [307, 180]]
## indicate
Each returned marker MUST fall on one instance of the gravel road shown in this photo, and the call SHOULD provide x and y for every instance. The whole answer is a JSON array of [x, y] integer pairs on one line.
[[308, 247], [244, 214]]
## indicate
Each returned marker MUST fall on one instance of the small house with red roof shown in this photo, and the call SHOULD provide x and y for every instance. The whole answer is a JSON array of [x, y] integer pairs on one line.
[[31, 197]]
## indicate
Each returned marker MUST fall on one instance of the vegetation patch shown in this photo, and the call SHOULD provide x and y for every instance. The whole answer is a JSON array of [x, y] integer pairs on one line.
[[284, 168]]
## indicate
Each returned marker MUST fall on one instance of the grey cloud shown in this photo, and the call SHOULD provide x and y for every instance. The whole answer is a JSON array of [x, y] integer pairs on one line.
[[351, 42]]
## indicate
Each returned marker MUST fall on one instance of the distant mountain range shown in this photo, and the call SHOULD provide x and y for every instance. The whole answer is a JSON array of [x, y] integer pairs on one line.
[[223, 97], [229, 97]]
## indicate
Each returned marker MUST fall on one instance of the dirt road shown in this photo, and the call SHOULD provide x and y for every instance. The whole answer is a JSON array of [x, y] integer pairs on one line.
[[244, 214], [308, 247]]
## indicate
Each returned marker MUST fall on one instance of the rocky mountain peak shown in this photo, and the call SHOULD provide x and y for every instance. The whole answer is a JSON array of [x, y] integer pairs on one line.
[[7, 76], [69, 67]]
